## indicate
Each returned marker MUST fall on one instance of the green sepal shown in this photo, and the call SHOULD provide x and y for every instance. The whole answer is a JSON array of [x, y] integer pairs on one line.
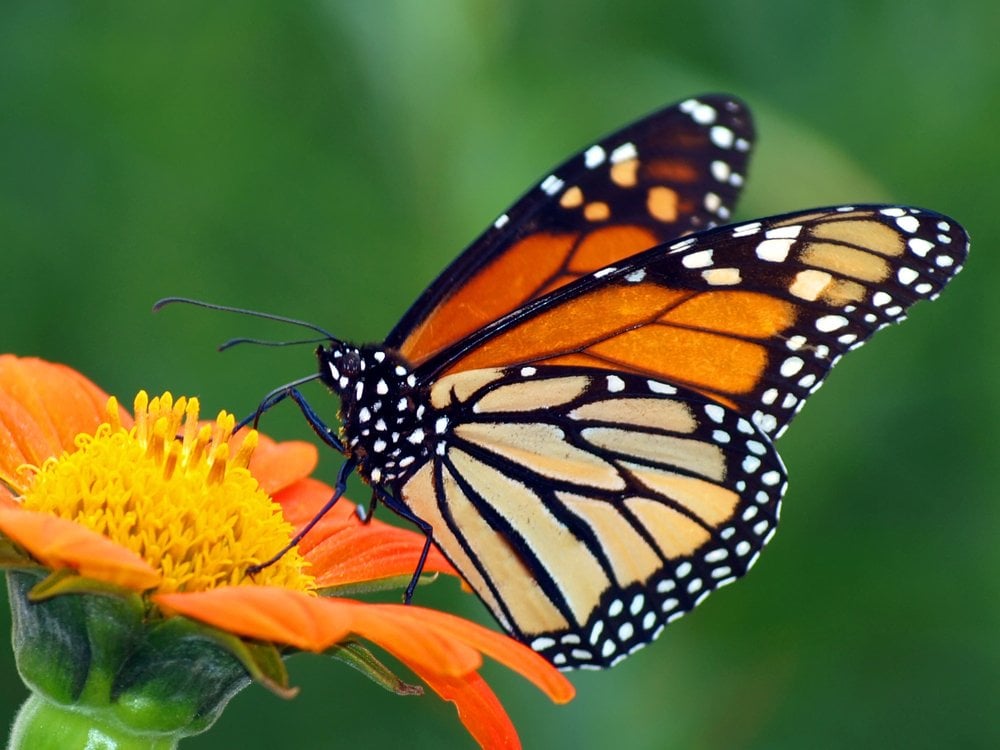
[[69, 647], [68, 581], [262, 661], [105, 654], [181, 675], [390, 583], [355, 655], [13, 556]]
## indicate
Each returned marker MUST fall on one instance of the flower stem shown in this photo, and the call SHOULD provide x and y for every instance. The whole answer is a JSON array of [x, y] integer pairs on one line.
[[44, 725]]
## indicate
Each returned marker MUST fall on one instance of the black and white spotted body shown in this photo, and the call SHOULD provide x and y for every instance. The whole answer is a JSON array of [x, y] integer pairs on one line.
[[382, 409]]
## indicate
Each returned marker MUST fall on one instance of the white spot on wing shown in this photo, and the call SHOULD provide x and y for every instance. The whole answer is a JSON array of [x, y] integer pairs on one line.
[[774, 250], [721, 136], [722, 276], [551, 185], [770, 478], [703, 114], [623, 153], [829, 323], [700, 259], [636, 276], [784, 232], [594, 157], [715, 412], [745, 230], [657, 387], [920, 246]]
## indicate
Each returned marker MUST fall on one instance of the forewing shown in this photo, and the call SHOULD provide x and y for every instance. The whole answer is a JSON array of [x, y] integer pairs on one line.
[[753, 315], [589, 509], [673, 172]]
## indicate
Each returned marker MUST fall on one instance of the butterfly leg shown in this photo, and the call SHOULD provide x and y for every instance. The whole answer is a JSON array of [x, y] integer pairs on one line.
[[325, 433], [338, 492], [367, 514], [406, 514]]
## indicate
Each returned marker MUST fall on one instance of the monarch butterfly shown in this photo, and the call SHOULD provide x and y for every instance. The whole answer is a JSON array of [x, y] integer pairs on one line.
[[581, 410]]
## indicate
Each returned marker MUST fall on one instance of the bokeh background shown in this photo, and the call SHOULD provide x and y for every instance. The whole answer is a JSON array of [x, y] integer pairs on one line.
[[325, 159]]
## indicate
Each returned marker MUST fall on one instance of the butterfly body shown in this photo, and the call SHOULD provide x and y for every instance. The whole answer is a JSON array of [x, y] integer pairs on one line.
[[382, 409], [581, 411]]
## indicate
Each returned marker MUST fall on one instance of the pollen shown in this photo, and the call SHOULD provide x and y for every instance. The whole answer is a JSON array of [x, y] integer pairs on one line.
[[175, 492]]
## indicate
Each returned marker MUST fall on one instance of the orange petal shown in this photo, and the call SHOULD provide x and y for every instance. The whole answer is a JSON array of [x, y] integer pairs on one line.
[[411, 640], [478, 707], [502, 648], [364, 552], [301, 501], [278, 465], [58, 543], [7, 499], [43, 407], [343, 549], [267, 613]]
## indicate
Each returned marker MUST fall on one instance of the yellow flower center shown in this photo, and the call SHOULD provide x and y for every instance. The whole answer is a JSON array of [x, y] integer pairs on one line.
[[169, 490]]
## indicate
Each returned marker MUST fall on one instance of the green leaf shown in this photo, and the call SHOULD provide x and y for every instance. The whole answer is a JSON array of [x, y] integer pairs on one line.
[[355, 655], [392, 583]]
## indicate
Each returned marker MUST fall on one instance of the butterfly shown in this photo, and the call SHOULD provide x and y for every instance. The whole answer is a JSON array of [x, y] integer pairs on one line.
[[581, 410]]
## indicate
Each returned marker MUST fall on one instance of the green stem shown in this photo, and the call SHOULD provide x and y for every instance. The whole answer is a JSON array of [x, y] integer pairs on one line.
[[44, 725]]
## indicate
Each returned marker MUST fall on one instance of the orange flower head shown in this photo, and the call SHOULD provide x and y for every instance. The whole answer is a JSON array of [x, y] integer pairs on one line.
[[172, 491], [160, 520]]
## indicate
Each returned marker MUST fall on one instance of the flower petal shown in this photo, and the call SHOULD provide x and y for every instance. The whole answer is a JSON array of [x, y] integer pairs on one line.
[[278, 465], [301, 501], [345, 550], [43, 407], [478, 707], [58, 543], [506, 650], [361, 552], [413, 639], [266, 613]]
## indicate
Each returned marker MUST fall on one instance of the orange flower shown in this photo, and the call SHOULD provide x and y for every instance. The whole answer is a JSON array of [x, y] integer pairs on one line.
[[176, 512]]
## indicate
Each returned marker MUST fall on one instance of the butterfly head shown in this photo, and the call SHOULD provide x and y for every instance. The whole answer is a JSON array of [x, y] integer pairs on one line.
[[381, 408]]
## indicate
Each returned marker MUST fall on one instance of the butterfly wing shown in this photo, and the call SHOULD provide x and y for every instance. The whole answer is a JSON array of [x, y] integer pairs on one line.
[[752, 315], [588, 509], [675, 171]]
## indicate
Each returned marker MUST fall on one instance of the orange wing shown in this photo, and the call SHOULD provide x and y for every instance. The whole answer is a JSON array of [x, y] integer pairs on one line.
[[676, 171], [753, 316]]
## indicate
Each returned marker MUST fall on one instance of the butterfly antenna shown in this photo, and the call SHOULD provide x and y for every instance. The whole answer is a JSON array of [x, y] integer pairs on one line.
[[160, 304], [264, 342]]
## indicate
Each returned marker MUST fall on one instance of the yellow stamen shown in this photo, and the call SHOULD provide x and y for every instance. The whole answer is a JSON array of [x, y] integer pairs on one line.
[[169, 490]]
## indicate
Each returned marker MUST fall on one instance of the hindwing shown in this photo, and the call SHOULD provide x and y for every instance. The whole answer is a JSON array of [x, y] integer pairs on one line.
[[588, 509]]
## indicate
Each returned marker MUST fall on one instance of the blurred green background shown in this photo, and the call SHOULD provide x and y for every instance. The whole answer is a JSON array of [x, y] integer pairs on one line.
[[325, 160]]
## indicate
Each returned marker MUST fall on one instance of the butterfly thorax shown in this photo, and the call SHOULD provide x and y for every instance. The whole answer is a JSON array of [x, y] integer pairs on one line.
[[381, 409]]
